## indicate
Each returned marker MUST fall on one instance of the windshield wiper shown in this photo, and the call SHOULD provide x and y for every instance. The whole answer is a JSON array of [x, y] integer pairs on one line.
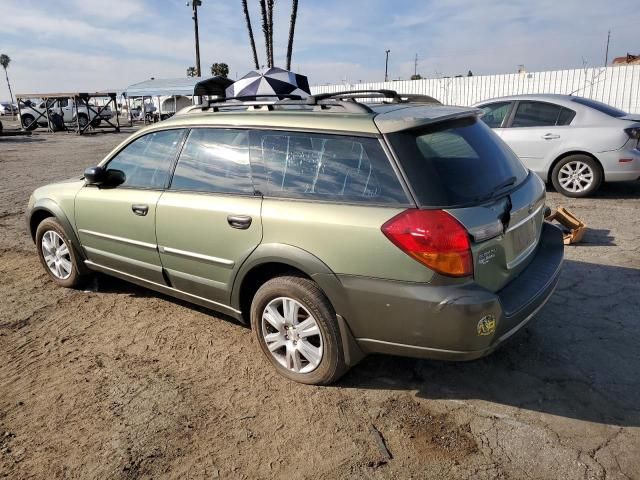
[[502, 185]]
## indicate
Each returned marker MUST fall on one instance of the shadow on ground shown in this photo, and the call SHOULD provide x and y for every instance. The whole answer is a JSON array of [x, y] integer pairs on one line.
[[579, 358]]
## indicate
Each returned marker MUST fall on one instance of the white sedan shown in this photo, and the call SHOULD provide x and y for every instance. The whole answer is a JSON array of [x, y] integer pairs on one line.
[[574, 142]]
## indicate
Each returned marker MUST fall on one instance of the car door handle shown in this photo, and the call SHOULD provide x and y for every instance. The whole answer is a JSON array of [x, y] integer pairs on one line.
[[141, 210], [550, 136], [241, 222]]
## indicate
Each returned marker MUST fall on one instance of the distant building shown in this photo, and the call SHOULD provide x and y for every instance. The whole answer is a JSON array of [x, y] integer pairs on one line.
[[628, 60]]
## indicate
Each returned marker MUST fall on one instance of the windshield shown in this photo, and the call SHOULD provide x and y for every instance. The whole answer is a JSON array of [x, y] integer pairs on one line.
[[601, 107], [456, 163]]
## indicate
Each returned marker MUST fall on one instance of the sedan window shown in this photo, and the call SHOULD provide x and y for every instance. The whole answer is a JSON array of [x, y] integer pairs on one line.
[[538, 114], [494, 113]]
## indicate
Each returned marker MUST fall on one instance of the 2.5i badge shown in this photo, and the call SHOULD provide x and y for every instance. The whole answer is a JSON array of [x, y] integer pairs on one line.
[[487, 325]]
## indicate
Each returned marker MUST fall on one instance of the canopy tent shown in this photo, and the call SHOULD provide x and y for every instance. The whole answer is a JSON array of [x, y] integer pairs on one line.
[[177, 88], [168, 87]]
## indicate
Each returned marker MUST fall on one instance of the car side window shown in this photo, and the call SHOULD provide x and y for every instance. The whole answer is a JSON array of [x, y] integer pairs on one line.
[[494, 113], [214, 160], [325, 167], [147, 160], [536, 114], [566, 117]]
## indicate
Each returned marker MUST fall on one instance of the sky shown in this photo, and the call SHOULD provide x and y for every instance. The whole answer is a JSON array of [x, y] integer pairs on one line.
[[89, 45]]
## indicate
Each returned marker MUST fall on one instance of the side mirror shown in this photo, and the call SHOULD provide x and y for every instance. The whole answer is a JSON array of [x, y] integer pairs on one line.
[[114, 177], [94, 175]]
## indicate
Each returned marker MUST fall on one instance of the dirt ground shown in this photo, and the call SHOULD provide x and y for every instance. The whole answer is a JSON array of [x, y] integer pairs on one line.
[[124, 383]]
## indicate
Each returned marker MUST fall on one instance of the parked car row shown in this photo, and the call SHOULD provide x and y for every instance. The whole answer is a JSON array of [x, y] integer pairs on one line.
[[34, 114], [573, 142]]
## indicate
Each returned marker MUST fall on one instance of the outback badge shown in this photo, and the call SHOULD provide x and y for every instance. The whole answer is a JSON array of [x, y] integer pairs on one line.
[[487, 325]]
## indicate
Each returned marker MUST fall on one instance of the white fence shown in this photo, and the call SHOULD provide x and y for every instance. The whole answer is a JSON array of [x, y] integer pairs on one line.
[[617, 86]]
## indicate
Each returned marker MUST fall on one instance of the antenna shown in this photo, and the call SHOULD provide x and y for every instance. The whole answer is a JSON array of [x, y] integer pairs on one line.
[[606, 55]]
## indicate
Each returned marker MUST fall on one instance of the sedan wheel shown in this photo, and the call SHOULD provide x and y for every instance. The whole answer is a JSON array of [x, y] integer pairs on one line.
[[576, 176], [292, 335]]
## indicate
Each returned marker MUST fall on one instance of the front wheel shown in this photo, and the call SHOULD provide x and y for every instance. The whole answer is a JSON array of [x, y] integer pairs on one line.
[[576, 176], [297, 330], [29, 122], [57, 254]]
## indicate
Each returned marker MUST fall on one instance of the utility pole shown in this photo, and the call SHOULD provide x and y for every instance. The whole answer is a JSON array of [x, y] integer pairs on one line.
[[415, 66], [195, 4], [606, 55], [386, 66]]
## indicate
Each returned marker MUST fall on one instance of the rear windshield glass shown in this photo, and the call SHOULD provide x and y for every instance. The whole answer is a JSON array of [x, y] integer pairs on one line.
[[456, 163], [601, 107]]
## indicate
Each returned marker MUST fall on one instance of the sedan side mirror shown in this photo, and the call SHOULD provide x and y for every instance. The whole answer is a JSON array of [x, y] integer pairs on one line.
[[94, 175]]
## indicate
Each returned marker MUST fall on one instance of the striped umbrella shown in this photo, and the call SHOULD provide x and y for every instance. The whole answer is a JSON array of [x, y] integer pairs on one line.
[[269, 82]]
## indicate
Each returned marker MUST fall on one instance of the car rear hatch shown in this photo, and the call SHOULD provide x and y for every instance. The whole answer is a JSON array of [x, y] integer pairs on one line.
[[461, 167]]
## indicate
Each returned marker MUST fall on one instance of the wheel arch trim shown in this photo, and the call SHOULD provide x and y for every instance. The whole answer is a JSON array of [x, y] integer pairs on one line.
[[50, 206], [315, 269]]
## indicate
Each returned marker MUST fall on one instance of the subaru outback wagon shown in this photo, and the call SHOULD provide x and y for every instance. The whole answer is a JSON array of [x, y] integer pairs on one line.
[[333, 227]]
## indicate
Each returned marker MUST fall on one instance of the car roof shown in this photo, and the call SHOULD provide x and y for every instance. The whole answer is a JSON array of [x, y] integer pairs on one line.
[[565, 100], [381, 118]]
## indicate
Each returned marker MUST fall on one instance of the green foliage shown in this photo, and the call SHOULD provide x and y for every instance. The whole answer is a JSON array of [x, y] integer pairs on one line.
[[220, 70]]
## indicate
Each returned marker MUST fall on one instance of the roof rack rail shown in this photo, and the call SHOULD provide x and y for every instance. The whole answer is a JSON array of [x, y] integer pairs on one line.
[[345, 100], [390, 94]]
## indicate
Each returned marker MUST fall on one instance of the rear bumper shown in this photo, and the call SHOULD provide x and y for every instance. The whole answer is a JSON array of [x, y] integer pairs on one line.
[[442, 322], [621, 165]]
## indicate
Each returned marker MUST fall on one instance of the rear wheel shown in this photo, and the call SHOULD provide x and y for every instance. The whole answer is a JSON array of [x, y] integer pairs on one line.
[[57, 255], [576, 176], [296, 328]]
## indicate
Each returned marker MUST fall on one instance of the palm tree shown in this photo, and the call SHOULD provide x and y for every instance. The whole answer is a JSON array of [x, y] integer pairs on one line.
[[251, 39], [270, 4], [191, 72], [292, 28], [5, 61], [265, 28]]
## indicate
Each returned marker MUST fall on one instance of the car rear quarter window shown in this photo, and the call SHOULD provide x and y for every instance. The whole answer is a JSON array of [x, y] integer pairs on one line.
[[336, 168], [456, 163], [216, 161], [147, 160]]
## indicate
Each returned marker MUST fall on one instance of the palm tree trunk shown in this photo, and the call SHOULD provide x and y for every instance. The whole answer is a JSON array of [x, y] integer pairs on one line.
[[265, 27], [270, 4], [6, 74], [251, 39], [292, 29]]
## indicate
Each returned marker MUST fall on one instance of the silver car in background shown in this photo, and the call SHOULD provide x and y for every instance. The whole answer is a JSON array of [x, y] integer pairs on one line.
[[573, 142]]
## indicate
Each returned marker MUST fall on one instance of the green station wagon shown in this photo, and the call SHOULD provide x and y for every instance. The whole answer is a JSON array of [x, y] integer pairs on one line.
[[335, 228]]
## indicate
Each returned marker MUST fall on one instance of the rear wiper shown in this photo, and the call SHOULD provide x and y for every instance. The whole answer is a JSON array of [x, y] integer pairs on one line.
[[502, 185]]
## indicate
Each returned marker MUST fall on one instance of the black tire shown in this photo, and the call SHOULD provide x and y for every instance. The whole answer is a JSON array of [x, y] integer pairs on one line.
[[76, 278], [592, 170], [332, 365], [82, 121], [96, 122], [29, 123]]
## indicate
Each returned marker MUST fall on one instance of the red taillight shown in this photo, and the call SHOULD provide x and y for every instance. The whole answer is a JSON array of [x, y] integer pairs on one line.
[[434, 238]]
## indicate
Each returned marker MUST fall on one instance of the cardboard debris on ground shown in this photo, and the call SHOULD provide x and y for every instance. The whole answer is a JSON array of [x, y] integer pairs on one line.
[[572, 228]]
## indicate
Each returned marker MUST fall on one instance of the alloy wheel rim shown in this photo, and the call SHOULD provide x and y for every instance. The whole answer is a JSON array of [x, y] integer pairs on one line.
[[292, 335], [576, 176], [56, 255]]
